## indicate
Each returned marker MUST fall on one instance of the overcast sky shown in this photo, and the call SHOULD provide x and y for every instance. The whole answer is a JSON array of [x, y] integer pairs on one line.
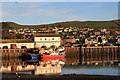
[[51, 12]]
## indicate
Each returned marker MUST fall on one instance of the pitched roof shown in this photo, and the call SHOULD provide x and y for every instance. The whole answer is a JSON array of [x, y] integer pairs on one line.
[[16, 41], [46, 35]]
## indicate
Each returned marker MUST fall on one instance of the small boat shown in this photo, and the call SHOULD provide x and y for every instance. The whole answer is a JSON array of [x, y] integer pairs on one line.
[[53, 56], [32, 55], [62, 53], [51, 53], [32, 60], [50, 59]]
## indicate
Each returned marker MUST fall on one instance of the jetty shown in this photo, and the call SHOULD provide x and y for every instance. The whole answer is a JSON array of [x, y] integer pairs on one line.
[[79, 54]]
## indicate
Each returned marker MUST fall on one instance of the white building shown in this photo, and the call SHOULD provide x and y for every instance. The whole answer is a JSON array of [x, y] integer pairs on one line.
[[19, 43], [47, 39]]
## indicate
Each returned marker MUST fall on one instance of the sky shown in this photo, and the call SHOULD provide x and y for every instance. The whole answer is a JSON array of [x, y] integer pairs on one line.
[[34, 13]]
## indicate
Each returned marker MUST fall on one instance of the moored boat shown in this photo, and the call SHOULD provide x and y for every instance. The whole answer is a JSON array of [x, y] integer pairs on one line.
[[32, 55], [53, 56], [46, 53]]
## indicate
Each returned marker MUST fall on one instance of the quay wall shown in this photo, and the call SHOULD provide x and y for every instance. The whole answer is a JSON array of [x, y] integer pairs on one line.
[[78, 54], [94, 54], [11, 52]]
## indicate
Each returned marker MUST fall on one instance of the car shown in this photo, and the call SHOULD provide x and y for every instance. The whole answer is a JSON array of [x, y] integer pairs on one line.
[[23, 47], [85, 45], [5, 47], [13, 46], [116, 44]]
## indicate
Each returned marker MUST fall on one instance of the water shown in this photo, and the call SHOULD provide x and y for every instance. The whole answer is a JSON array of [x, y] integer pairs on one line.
[[92, 70], [50, 67]]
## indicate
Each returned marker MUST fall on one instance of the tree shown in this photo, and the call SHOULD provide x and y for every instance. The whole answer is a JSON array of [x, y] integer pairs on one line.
[[19, 36]]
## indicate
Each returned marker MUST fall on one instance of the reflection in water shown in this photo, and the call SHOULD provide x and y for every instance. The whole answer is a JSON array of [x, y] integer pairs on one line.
[[48, 68], [56, 67], [35, 66]]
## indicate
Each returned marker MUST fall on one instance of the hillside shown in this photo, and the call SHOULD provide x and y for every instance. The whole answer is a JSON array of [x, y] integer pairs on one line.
[[91, 24]]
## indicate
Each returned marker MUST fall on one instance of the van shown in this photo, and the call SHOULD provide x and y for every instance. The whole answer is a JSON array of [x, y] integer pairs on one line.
[[13, 46]]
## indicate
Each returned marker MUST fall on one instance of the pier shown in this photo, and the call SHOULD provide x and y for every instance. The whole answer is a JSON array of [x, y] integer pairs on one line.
[[78, 54], [12, 52], [94, 54]]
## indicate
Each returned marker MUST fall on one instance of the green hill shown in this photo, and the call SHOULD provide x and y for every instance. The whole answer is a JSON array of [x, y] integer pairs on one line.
[[91, 24]]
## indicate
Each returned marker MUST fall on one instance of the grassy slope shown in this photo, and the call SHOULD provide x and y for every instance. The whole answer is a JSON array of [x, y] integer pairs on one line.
[[91, 24]]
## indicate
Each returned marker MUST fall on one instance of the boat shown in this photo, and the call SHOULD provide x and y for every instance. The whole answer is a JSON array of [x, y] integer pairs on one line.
[[50, 59], [32, 60], [35, 53], [52, 56]]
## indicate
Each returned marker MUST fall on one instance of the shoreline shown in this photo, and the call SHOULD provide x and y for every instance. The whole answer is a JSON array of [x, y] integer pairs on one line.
[[13, 76]]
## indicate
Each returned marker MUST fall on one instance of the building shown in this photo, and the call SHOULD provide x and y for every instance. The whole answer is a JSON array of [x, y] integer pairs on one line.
[[68, 40], [19, 43], [39, 39], [47, 39]]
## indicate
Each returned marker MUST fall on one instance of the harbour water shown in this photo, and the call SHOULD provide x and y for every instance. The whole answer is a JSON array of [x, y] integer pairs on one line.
[[92, 70], [57, 67]]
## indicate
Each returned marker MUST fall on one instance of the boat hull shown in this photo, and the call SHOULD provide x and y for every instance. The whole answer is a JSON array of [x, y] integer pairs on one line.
[[62, 53], [50, 59], [43, 56], [53, 56]]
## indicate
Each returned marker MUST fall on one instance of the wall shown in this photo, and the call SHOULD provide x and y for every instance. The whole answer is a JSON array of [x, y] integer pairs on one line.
[[93, 54]]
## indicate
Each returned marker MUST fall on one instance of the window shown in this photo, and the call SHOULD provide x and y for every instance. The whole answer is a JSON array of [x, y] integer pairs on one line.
[[45, 39], [40, 38], [52, 38]]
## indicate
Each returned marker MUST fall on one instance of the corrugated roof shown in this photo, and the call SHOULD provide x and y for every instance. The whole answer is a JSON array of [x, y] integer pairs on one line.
[[46, 35], [16, 41]]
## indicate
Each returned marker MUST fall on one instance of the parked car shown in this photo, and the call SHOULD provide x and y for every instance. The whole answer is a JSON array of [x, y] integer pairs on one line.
[[117, 44], [86, 45], [108, 44], [23, 47], [5, 47], [13, 46]]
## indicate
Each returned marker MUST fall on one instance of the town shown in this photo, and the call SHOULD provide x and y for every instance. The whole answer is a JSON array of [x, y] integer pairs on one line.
[[68, 36]]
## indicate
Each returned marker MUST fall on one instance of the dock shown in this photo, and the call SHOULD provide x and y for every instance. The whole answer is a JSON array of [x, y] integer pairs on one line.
[[98, 54], [94, 54]]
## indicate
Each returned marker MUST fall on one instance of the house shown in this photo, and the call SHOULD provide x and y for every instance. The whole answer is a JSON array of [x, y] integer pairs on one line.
[[47, 39], [97, 32], [68, 40]]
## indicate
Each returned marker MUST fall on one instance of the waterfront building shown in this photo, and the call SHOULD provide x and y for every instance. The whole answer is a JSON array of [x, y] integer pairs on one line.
[[47, 39], [19, 43]]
